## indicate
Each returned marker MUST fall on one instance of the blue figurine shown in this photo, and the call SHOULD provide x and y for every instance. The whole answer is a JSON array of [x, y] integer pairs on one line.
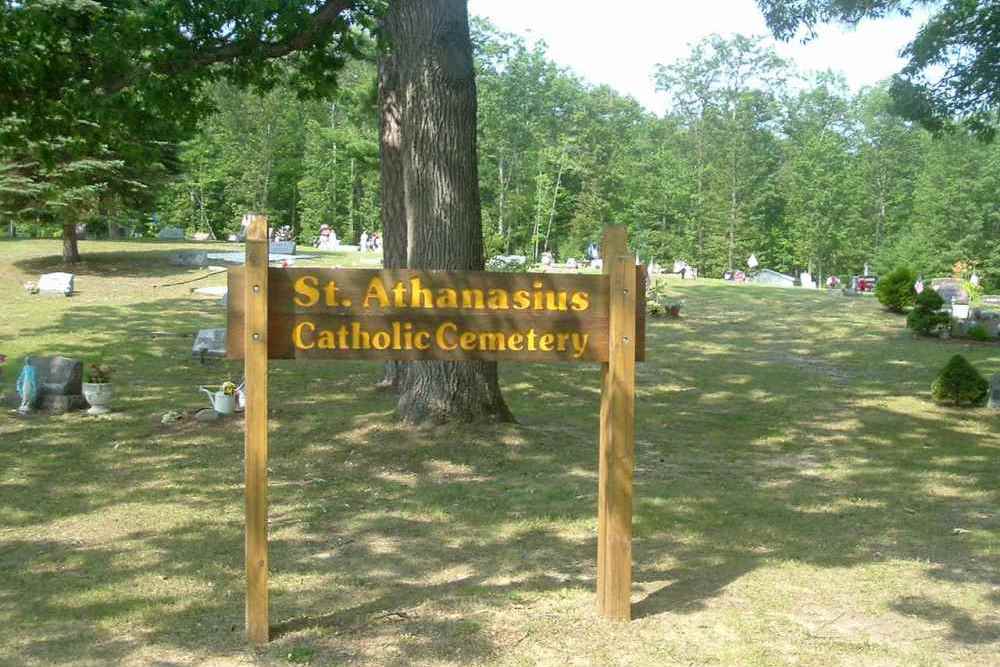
[[27, 387]]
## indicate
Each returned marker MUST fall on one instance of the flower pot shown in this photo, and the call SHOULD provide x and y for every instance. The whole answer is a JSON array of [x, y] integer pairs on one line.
[[99, 395]]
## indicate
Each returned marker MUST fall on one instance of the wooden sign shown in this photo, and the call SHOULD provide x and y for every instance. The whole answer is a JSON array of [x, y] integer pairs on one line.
[[406, 315], [315, 314]]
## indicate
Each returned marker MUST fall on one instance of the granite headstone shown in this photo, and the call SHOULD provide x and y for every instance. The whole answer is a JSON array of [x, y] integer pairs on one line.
[[209, 343], [60, 383], [951, 290]]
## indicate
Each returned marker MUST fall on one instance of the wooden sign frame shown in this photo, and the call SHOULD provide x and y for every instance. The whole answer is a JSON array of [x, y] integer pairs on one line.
[[254, 337]]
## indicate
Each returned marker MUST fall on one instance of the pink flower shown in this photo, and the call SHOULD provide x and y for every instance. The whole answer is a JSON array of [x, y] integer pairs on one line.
[[3, 359]]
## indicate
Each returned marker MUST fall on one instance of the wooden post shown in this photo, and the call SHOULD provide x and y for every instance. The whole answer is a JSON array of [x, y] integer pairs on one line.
[[617, 448], [255, 439]]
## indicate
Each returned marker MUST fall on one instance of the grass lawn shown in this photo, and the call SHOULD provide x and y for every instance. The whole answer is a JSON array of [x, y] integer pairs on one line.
[[799, 499]]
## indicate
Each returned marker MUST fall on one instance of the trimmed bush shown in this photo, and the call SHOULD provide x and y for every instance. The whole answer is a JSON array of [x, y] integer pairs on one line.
[[959, 382], [895, 291], [978, 332], [925, 319]]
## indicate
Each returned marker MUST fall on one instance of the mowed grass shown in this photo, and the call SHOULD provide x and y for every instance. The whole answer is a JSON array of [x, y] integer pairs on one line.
[[799, 499]]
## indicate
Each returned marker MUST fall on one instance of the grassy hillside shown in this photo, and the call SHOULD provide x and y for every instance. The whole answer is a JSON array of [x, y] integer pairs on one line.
[[799, 499]]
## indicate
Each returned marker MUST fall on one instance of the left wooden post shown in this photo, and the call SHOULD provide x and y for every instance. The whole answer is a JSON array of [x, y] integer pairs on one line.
[[255, 438]]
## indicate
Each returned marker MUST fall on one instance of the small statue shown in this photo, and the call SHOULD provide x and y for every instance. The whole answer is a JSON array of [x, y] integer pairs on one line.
[[27, 387]]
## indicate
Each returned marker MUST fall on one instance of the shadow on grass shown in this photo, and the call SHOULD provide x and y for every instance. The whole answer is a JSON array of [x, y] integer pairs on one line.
[[759, 441]]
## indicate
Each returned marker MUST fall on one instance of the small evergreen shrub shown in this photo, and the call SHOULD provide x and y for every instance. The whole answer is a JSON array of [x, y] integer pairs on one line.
[[895, 291], [925, 318], [959, 382], [978, 332]]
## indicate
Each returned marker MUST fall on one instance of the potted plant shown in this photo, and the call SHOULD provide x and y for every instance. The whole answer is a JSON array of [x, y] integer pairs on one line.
[[97, 389]]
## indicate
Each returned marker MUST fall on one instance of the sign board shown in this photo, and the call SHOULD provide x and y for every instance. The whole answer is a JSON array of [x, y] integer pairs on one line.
[[332, 314], [339, 314]]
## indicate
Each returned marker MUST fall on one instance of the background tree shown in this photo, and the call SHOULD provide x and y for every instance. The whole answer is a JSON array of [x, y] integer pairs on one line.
[[953, 72], [133, 72]]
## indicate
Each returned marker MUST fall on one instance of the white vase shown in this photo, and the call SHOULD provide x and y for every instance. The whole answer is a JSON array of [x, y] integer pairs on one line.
[[99, 395]]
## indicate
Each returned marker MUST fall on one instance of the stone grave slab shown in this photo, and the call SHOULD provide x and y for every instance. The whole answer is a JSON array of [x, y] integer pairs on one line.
[[56, 283], [189, 258], [60, 383], [209, 343], [282, 248], [217, 292], [171, 234], [994, 402]]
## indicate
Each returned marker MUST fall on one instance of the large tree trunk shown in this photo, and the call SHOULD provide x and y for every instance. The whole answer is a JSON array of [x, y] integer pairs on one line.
[[71, 250], [441, 186], [393, 200]]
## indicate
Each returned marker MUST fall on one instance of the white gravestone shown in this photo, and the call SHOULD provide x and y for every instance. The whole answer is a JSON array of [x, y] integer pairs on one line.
[[56, 283]]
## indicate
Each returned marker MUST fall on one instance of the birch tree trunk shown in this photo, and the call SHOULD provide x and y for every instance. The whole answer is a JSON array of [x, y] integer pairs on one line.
[[441, 192]]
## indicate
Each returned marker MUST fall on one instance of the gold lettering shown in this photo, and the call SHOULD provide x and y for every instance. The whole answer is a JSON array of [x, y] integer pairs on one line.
[[376, 290], [381, 340], [492, 341], [419, 296], [305, 287], [545, 342], [522, 299], [447, 298], [468, 341], [442, 341], [297, 332], [580, 301], [422, 340], [515, 343], [473, 298], [498, 300], [580, 344], [327, 340]]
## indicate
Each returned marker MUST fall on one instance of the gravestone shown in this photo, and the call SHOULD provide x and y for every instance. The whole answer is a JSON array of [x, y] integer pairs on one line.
[[805, 279], [194, 258], [171, 234], [60, 387], [201, 236], [211, 291], [994, 402], [209, 343], [56, 283], [951, 290], [282, 248], [990, 299]]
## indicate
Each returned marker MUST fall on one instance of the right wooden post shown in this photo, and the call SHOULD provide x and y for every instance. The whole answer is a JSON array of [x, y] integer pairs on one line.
[[617, 437]]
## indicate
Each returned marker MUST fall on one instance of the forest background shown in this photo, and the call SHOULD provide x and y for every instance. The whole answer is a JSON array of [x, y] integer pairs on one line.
[[752, 157]]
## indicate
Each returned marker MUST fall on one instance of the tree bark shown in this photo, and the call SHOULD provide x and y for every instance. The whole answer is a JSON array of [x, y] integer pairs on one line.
[[393, 211], [71, 249], [441, 193]]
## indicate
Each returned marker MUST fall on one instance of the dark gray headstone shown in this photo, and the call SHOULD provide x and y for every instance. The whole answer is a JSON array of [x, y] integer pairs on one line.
[[995, 392], [209, 343], [58, 376], [951, 290]]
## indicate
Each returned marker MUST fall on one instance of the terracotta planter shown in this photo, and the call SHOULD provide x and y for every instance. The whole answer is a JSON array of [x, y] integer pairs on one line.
[[99, 396]]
